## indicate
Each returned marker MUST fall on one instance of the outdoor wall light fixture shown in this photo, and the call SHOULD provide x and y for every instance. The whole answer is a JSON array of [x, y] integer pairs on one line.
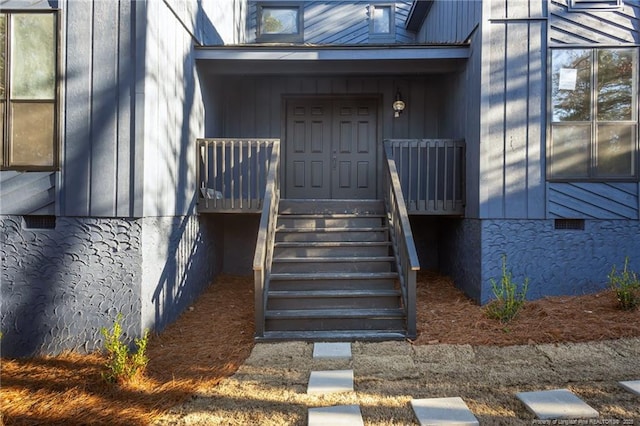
[[398, 105]]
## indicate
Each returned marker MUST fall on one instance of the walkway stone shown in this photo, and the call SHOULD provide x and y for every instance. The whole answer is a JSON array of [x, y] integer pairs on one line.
[[335, 350], [331, 381], [340, 415], [556, 404], [632, 386], [443, 411]]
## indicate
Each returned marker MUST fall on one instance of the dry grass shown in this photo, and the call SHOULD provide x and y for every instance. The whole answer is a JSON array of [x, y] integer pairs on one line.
[[445, 315], [211, 342], [205, 345]]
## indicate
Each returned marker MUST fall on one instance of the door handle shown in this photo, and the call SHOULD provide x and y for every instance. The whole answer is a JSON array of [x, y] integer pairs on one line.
[[334, 159]]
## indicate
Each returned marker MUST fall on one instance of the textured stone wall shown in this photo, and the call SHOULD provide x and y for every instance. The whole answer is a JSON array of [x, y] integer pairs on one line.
[[60, 286], [460, 254], [557, 262], [180, 258]]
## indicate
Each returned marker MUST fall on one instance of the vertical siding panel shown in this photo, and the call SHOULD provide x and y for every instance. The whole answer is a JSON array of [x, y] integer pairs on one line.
[[125, 86], [516, 114], [77, 149], [248, 116], [324, 85], [354, 85], [309, 85], [415, 101], [493, 145], [338, 86], [278, 88], [537, 121], [263, 111]]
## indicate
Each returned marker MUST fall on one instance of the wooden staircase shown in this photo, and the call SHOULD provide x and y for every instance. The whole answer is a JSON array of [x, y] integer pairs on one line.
[[333, 274]]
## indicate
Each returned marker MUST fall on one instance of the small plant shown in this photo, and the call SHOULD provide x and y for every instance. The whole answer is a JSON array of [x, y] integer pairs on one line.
[[122, 365], [508, 300], [626, 286]]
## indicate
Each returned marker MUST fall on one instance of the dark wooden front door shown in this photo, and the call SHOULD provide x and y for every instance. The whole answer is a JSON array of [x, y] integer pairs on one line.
[[330, 149]]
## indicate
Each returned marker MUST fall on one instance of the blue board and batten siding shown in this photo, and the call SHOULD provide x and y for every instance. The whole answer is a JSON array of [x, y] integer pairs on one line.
[[339, 22], [99, 173], [252, 106], [126, 237], [611, 200], [513, 110]]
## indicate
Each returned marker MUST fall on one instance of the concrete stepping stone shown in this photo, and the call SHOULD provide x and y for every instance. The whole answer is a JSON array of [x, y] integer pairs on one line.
[[443, 411], [333, 350], [632, 386], [339, 415], [331, 381], [556, 404]]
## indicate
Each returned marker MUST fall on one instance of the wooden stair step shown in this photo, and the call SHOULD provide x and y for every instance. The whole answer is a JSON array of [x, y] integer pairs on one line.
[[328, 215], [312, 206], [329, 244], [321, 230], [333, 293], [334, 335], [334, 276], [334, 313], [334, 259]]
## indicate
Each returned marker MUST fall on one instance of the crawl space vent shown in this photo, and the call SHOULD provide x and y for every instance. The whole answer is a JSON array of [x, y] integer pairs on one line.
[[39, 222], [569, 224]]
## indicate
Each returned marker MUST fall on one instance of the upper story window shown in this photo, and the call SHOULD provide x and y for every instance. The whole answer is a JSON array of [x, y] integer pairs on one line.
[[581, 5], [28, 90], [594, 114], [382, 22], [280, 22]]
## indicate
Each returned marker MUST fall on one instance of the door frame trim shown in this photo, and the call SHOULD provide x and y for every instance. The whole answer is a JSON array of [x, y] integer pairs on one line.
[[376, 98]]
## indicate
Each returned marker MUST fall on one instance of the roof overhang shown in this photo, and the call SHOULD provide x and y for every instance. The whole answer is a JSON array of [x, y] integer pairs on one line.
[[375, 60]]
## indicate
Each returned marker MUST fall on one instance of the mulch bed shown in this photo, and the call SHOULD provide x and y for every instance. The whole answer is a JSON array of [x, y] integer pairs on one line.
[[213, 338]]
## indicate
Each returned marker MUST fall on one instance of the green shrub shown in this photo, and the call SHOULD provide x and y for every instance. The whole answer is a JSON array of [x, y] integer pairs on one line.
[[122, 365], [508, 300], [626, 286]]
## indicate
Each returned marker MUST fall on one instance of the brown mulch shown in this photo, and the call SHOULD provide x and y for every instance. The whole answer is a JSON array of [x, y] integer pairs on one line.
[[213, 338]]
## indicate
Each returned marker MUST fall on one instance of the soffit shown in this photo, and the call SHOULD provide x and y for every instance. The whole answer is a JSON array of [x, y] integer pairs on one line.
[[375, 60]]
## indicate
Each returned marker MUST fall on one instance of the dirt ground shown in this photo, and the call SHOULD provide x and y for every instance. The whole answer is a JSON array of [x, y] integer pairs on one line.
[[201, 366]]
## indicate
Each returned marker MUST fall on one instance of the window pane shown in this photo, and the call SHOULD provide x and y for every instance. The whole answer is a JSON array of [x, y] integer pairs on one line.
[[382, 19], [615, 84], [571, 84], [3, 59], [279, 20], [615, 150], [32, 134], [33, 50], [570, 151]]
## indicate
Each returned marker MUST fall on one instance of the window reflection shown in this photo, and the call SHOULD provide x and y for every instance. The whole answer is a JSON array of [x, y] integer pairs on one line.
[[615, 84], [615, 148], [279, 20], [571, 85], [382, 19], [594, 125]]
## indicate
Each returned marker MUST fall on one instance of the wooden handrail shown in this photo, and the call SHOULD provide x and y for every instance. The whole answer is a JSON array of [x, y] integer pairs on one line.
[[266, 235], [402, 238]]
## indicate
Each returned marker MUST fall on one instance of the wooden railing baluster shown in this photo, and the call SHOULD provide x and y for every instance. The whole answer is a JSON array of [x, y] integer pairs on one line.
[[231, 174], [431, 172]]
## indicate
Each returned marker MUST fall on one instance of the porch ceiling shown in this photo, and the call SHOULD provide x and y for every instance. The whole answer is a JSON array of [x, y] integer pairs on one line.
[[331, 59]]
